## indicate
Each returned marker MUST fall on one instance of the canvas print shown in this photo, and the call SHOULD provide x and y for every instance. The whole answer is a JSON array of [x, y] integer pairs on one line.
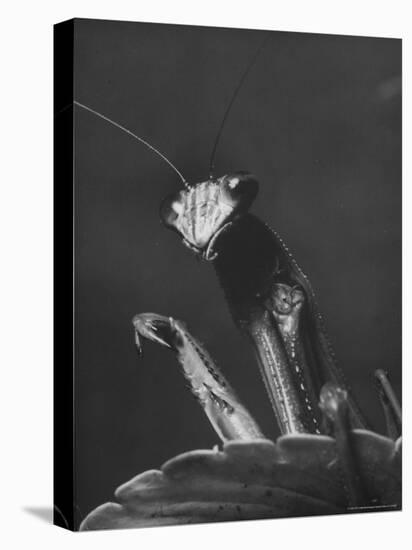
[[232, 198]]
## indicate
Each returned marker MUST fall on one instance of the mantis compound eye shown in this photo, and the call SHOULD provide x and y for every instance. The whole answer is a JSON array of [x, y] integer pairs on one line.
[[239, 190], [170, 210]]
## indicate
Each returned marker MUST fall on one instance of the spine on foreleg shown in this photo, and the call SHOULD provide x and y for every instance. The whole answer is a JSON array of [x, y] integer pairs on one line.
[[228, 416]]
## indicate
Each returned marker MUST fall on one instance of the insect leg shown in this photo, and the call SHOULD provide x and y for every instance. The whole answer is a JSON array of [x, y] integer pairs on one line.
[[286, 303], [333, 403], [390, 405], [228, 416], [276, 371]]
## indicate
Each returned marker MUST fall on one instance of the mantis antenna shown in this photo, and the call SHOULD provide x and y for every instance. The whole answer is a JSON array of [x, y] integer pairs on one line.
[[143, 141], [231, 102]]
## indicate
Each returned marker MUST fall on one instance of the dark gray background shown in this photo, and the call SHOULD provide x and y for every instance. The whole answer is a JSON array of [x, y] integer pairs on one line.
[[319, 122]]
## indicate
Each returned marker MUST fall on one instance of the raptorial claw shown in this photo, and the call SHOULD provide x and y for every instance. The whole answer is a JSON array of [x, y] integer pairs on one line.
[[284, 299], [285, 304], [228, 416], [154, 327]]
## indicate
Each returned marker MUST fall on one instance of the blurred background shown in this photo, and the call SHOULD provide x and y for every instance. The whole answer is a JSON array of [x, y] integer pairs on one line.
[[318, 120]]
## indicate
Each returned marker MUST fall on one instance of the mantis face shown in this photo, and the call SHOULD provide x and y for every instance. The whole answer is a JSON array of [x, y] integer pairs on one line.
[[199, 213]]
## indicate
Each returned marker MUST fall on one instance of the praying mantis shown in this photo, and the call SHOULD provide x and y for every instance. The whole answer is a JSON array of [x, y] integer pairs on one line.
[[273, 304]]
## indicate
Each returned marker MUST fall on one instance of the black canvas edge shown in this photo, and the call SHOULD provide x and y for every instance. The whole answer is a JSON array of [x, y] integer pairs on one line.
[[64, 408]]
